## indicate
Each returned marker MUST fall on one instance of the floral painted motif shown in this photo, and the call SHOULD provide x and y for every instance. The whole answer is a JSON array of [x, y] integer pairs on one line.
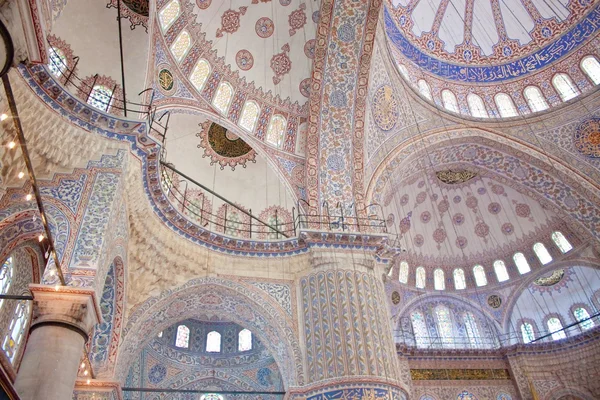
[[230, 21]]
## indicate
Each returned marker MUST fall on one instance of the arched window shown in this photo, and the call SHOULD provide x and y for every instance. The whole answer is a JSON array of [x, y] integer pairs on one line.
[[438, 279], [182, 339], [403, 274], [100, 97], [591, 67], [479, 273], [527, 332], [542, 253], [181, 45], [211, 396], [223, 97], [213, 342], [505, 105], [419, 329], [555, 328], [476, 106], [249, 116], [501, 272], [420, 278], [459, 279], [444, 322], [581, 314], [449, 100], [200, 74], [404, 72], [565, 86], [58, 61], [561, 242], [521, 263], [535, 99], [471, 329], [6, 275], [276, 130], [244, 340], [169, 14], [16, 330], [424, 89]]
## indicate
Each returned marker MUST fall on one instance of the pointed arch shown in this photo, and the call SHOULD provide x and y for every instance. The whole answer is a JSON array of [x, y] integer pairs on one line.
[[565, 87], [223, 97], [249, 116], [449, 101], [535, 99], [521, 263], [500, 270], [542, 253], [479, 274], [561, 242], [276, 130], [181, 45], [591, 67], [505, 105], [403, 272], [439, 281], [459, 279], [420, 278], [200, 74], [168, 14], [424, 89], [477, 106]]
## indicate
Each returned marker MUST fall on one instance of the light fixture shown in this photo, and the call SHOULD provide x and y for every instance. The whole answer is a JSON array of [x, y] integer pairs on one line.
[[85, 372], [82, 365], [21, 175], [57, 287], [41, 237], [3, 117], [11, 145], [28, 197]]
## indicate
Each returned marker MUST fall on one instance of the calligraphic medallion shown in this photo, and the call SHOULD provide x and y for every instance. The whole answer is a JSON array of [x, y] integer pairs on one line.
[[587, 137], [455, 177], [384, 108], [494, 301], [395, 297], [165, 79]]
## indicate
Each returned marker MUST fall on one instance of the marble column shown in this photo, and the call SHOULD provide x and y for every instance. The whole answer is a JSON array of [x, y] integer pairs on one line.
[[348, 345], [62, 319]]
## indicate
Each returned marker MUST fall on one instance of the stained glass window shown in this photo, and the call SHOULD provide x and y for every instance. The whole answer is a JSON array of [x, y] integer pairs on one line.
[[276, 130], [449, 100], [100, 97], [565, 86], [6, 275], [459, 279], [472, 329], [555, 327], [223, 97], [16, 330], [527, 332], [501, 272], [521, 263], [213, 342], [444, 323], [479, 273], [419, 329], [439, 280], [535, 99], [561, 242], [404, 72], [58, 61], [181, 45], [169, 14], [249, 116], [200, 74], [183, 337], [420, 278], [424, 89], [542, 253], [505, 105], [244, 340], [476, 106], [591, 67], [581, 314], [403, 274], [211, 396]]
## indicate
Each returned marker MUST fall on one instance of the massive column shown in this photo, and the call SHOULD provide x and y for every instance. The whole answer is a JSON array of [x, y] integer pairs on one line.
[[345, 326], [62, 319]]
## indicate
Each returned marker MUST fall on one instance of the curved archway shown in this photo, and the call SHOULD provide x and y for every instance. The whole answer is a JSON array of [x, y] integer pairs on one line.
[[238, 302]]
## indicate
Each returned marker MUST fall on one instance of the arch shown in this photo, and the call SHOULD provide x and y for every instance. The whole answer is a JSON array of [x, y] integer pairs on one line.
[[420, 278], [424, 89], [200, 74], [459, 279], [168, 14], [535, 99], [568, 393], [57, 61], [249, 116], [591, 67], [521, 263], [527, 332], [101, 97], [581, 314], [439, 281], [505, 105], [420, 333], [449, 101], [479, 274], [403, 272], [500, 270], [564, 86], [223, 97], [477, 106], [244, 340], [542, 253], [404, 72], [555, 326], [213, 342], [242, 304], [561, 242]]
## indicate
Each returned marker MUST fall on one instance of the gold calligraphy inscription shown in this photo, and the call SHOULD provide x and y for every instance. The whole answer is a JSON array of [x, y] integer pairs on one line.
[[459, 374]]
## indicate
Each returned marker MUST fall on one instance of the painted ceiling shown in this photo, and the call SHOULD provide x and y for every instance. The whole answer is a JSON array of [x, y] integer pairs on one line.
[[496, 40], [268, 43]]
